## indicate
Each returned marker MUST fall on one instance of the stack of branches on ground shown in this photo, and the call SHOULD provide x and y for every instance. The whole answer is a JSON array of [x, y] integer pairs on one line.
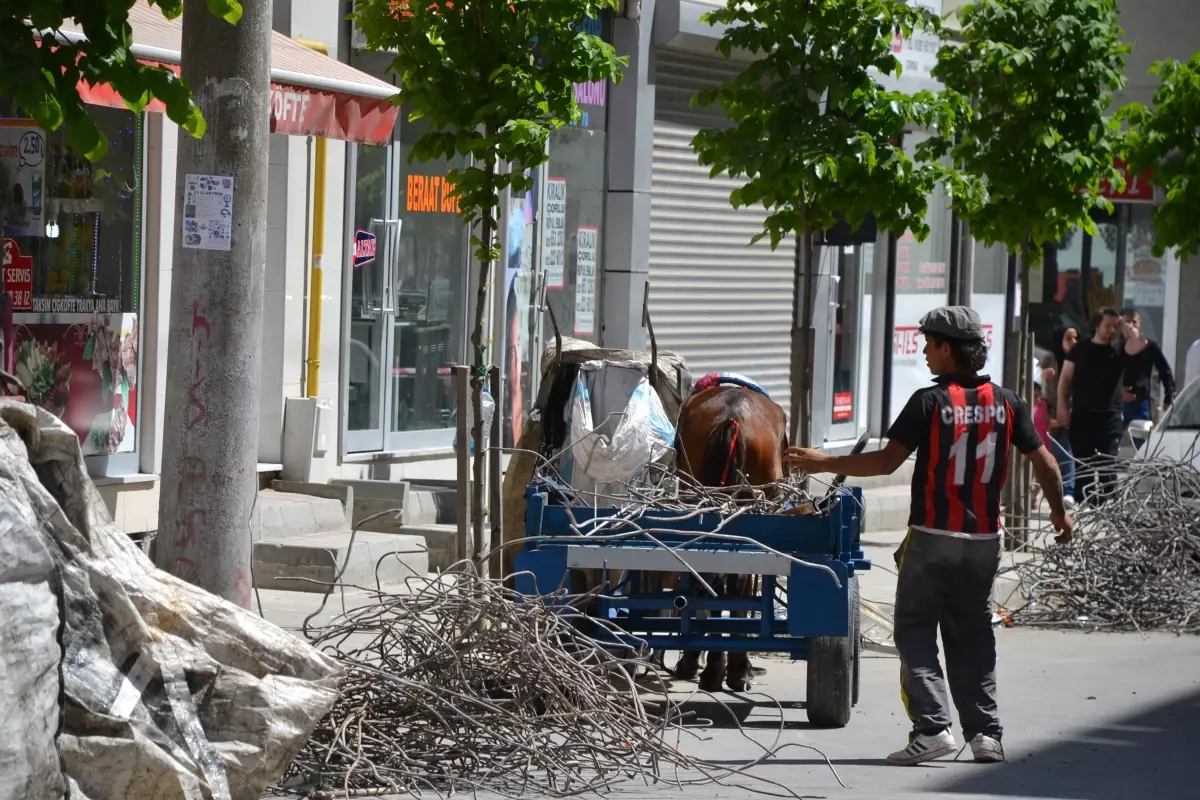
[[462, 685], [1134, 562]]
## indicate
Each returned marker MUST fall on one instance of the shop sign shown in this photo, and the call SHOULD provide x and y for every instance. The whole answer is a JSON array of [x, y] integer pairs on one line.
[[364, 248], [18, 276], [1138, 188], [843, 406], [430, 193], [294, 110]]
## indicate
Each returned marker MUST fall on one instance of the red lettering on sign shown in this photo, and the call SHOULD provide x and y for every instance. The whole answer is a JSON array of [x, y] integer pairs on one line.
[[18, 276]]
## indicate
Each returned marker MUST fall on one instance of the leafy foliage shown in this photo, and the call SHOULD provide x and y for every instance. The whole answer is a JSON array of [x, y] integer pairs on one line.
[[491, 79], [44, 80], [1164, 138], [814, 132], [1039, 76]]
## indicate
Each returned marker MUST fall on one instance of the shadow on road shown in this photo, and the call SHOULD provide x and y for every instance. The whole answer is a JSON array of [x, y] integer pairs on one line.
[[1146, 755]]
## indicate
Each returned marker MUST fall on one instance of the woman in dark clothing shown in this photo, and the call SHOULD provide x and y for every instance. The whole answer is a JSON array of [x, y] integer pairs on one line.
[[1139, 371], [1060, 441]]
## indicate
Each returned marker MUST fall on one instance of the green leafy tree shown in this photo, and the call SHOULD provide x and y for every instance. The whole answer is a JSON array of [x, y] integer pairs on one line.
[[41, 69], [490, 79], [817, 137], [1039, 76], [1163, 138]]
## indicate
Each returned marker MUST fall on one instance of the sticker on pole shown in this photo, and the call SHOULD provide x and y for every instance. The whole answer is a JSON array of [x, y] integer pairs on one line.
[[18, 276], [208, 212], [364, 248]]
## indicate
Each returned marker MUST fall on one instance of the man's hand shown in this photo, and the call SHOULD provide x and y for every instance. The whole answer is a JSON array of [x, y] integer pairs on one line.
[[805, 459], [1065, 526], [1128, 397]]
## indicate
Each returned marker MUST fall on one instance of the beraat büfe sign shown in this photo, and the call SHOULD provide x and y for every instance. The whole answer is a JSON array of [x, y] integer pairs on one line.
[[364, 248]]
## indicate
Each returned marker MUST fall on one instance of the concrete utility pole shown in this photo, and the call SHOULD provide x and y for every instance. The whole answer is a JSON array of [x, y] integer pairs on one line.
[[210, 439]]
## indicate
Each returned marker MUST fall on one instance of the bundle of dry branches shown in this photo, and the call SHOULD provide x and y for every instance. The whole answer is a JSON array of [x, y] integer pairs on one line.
[[462, 685], [1134, 563]]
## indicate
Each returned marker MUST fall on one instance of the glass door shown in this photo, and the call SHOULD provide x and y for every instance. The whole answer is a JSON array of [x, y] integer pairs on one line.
[[370, 301], [850, 319]]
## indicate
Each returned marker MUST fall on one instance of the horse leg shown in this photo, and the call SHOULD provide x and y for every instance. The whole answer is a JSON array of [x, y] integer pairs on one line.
[[737, 674]]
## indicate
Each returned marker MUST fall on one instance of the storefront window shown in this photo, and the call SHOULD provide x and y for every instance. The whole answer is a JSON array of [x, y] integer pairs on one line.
[[72, 256], [407, 300], [922, 284], [1115, 268], [431, 302]]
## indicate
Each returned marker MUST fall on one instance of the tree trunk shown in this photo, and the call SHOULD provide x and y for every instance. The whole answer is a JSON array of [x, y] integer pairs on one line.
[[210, 436], [804, 281], [479, 374], [1020, 495]]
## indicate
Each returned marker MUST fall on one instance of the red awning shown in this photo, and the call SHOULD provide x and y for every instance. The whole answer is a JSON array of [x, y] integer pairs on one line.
[[311, 94]]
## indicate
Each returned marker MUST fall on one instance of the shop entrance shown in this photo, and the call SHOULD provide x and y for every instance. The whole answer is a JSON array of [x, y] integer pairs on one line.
[[843, 334]]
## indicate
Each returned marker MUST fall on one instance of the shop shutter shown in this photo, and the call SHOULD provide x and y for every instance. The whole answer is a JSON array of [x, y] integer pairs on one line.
[[721, 303]]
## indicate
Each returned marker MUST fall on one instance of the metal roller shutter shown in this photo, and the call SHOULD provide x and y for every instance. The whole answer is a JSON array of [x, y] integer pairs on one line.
[[717, 301]]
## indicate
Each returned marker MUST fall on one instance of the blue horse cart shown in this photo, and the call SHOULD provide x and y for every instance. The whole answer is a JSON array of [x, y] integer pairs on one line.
[[813, 614]]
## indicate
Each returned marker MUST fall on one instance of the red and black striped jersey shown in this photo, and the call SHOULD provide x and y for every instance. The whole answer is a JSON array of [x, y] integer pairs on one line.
[[963, 429]]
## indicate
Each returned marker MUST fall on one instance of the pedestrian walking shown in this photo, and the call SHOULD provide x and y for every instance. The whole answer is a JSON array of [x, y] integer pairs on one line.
[[962, 429], [1139, 372], [1060, 439], [1090, 405]]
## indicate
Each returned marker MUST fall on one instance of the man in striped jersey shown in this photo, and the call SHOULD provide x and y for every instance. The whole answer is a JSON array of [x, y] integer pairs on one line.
[[962, 428]]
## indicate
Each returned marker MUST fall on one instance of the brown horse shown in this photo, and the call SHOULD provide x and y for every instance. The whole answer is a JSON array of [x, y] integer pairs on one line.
[[727, 434]]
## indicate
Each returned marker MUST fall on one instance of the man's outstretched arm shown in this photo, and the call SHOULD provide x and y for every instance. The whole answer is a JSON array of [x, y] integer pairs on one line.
[[860, 465]]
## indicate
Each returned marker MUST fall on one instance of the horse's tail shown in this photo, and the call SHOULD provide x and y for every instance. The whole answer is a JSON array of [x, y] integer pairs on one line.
[[725, 454]]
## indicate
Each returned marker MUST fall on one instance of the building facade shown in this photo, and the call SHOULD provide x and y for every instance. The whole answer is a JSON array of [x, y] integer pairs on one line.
[[621, 219]]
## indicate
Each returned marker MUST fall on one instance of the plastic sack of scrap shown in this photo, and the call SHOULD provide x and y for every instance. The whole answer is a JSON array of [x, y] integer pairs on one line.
[[166, 690], [617, 425]]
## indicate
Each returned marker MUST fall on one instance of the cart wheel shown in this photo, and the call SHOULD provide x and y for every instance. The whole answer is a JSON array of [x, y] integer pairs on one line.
[[831, 672]]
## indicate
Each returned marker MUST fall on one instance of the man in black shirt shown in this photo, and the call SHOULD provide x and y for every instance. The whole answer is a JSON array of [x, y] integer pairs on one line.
[[1090, 393], [962, 428], [1140, 369]]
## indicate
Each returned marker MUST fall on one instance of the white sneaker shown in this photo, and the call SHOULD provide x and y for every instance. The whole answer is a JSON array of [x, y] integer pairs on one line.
[[924, 748], [1069, 502], [986, 749]]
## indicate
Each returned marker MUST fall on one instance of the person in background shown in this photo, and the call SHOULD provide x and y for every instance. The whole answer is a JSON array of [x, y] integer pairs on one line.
[[1140, 369], [1089, 400], [1060, 439]]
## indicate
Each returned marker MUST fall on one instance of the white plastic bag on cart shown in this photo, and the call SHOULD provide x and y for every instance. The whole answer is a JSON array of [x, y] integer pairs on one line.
[[166, 691], [617, 424]]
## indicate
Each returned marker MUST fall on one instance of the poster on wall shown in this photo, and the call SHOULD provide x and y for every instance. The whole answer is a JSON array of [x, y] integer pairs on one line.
[[554, 233], [909, 371], [991, 309], [587, 240], [18, 276], [84, 371], [208, 212], [23, 177]]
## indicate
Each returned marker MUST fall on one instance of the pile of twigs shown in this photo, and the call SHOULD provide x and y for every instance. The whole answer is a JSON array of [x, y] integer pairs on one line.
[[1134, 563], [461, 685]]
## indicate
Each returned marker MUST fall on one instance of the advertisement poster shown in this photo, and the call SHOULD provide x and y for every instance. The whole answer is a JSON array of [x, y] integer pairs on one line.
[[519, 317], [18, 276], [23, 176], [208, 212], [991, 312], [917, 53], [843, 406], [554, 233], [83, 371], [909, 372], [587, 240]]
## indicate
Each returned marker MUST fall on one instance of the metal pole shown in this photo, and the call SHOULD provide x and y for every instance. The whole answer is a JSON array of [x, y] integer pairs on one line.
[[495, 479], [210, 453], [462, 395]]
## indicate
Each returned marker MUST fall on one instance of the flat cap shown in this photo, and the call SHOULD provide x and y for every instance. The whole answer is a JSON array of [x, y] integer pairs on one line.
[[953, 322]]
